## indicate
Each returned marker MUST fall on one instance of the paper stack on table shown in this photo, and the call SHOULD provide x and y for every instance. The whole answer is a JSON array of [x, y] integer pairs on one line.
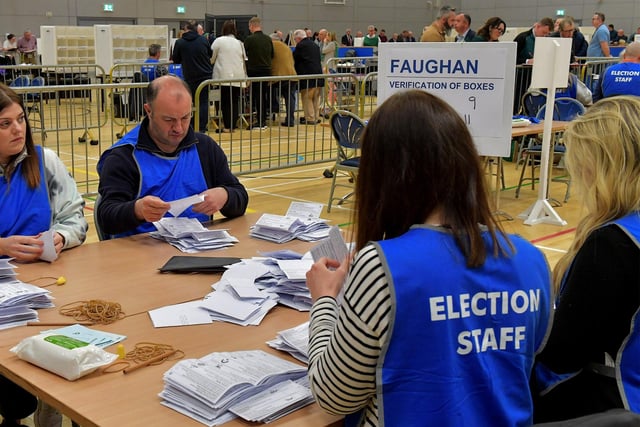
[[246, 292], [19, 300], [219, 387], [189, 235], [294, 341], [281, 229]]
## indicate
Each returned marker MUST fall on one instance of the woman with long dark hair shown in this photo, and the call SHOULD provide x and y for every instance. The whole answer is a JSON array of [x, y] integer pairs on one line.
[[36, 194], [442, 311]]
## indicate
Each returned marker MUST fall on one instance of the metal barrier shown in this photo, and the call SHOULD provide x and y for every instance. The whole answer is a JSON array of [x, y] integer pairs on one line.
[[79, 109], [593, 68], [56, 113], [126, 103], [254, 148]]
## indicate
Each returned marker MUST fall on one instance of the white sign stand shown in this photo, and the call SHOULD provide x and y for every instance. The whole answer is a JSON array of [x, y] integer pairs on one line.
[[476, 79], [550, 71]]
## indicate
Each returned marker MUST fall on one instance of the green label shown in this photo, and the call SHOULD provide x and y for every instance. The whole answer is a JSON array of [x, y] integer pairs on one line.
[[66, 342]]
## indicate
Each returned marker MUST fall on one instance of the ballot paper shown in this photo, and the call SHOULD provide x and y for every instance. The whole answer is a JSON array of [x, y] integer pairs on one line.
[[290, 285], [19, 300], [333, 248], [190, 236], [274, 402], [281, 229], [209, 388], [304, 210], [294, 341], [49, 253], [187, 313], [181, 205], [226, 304]]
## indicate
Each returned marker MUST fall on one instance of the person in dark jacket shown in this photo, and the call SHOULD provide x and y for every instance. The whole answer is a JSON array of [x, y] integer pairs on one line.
[[567, 28], [162, 160], [259, 49], [306, 58], [193, 51]]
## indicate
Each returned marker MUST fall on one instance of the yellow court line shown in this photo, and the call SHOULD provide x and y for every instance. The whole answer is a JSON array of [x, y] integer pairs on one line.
[[546, 248]]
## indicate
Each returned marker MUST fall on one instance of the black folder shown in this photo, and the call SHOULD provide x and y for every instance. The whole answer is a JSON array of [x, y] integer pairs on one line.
[[197, 264]]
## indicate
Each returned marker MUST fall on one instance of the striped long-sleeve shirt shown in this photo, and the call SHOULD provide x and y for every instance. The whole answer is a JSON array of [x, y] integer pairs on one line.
[[343, 355]]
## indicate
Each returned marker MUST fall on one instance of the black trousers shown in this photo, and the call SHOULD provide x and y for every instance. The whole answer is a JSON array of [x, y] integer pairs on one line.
[[230, 105], [260, 94], [15, 402], [203, 105]]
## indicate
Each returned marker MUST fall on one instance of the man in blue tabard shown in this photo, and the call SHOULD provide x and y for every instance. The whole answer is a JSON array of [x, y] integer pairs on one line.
[[162, 160], [622, 78]]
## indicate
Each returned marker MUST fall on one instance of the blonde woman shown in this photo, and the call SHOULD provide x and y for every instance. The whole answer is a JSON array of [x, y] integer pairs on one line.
[[590, 363], [329, 48]]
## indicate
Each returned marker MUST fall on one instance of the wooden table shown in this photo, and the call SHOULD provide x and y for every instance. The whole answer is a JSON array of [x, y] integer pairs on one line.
[[536, 128], [125, 271], [519, 132]]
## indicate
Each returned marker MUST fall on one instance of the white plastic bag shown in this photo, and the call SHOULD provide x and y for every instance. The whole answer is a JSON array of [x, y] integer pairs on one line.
[[68, 357]]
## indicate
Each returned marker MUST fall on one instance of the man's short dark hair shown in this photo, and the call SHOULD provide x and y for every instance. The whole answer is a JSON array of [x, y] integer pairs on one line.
[[600, 15], [154, 49], [191, 25]]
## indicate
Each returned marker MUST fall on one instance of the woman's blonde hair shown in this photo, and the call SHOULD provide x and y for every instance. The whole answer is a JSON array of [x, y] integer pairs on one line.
[[603, 158]]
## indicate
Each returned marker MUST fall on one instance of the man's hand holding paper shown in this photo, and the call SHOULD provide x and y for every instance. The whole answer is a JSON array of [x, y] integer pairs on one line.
[[151, 208], [214, 200]]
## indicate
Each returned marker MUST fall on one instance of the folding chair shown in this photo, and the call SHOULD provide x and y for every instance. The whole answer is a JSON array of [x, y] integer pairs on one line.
[[347, 129], [101, 234], [532, 101]]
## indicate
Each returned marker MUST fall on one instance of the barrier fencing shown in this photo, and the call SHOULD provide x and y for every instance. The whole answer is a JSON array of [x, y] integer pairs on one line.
[[79, 111]]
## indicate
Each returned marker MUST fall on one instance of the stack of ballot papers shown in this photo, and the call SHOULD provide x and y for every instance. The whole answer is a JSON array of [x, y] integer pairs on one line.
[[294, 341], [245, 293], [252, 385], [281, 229], [189, 235], [248, 290], [18, 300]]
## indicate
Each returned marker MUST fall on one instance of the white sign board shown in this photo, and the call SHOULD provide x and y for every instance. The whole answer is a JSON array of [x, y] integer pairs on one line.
[[476, 79], [551, 58]]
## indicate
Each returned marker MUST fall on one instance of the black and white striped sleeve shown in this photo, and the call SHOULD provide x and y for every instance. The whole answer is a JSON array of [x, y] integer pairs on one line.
[[345, 342]]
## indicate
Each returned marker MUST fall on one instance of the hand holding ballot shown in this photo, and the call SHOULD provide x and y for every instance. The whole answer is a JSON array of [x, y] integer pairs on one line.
[[151, 208], [327, 275], [214, 200]]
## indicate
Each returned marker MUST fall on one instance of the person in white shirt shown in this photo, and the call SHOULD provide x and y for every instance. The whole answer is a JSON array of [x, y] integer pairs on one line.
[[228, 59], [11, 43]]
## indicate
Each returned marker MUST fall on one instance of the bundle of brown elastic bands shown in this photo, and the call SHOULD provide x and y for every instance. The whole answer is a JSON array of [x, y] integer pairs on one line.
[[145, 354], [95, 310]]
